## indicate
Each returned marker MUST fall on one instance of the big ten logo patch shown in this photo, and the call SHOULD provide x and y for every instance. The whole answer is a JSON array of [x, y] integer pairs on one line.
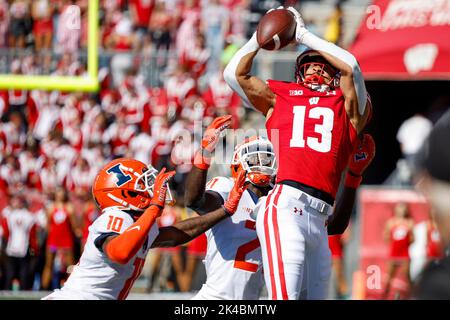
[[295, 92]]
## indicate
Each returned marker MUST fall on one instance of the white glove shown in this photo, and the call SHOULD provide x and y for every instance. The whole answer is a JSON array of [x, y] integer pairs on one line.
[[300, 30]]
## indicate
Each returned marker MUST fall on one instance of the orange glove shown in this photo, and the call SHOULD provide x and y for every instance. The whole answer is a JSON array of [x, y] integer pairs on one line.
[[160, 188], [360, 160], [230, 206], [202, 158]]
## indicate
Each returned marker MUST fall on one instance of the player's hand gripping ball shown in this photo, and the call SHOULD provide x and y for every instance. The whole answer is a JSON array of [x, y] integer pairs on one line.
[[300, 29], [232, 202], [160, 187]]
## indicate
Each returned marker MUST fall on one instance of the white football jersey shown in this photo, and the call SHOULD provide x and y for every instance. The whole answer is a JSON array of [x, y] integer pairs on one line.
[[233, 259], [96, 277]]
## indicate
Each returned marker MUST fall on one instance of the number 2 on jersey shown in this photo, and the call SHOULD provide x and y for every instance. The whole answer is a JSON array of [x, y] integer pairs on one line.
[[324, 129], [239, 261]]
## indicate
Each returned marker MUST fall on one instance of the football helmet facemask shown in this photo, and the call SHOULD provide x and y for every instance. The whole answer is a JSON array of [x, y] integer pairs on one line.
[[255, 155], [312, 57]]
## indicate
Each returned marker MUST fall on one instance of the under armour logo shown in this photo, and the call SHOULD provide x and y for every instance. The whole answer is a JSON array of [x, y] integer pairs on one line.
[[298, 211]]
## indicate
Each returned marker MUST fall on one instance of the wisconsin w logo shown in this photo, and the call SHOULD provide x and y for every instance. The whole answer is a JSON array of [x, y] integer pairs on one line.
[[122, 178], [314, 100]]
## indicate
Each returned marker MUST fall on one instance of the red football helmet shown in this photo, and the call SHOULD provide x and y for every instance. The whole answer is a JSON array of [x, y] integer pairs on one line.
[[312, 57], [127, 183], [255, 155]]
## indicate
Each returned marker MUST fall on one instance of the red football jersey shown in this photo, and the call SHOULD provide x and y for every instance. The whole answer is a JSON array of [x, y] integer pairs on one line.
[[312, 135]]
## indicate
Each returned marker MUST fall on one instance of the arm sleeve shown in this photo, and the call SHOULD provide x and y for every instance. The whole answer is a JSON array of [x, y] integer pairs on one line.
[[124, 247], [314, 42]]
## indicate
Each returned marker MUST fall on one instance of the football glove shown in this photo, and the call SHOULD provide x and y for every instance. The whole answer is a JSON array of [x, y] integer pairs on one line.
[[359, 161]]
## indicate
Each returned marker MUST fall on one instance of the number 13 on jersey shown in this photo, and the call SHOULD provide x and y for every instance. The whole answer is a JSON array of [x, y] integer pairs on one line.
[[298, 140]]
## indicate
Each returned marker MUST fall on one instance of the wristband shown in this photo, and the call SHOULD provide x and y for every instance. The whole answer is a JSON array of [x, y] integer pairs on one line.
[[157, 205], [228, 212], [352, 181], [202, 159]]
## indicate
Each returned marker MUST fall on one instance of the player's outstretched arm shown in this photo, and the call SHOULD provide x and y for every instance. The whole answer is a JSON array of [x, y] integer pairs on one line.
[[186, 230], [352, 82], [360, 160], [253, 91], [122, 248], [195, 196]]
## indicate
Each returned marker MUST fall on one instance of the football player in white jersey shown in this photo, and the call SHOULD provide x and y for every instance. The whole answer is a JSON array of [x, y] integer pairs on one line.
[[233, 258], [131, 196]]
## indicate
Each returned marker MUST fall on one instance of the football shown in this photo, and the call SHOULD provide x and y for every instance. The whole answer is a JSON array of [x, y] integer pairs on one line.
[[276, 29]]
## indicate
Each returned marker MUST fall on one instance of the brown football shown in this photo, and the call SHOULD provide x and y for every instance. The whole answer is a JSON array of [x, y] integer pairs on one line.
[[276, 29]]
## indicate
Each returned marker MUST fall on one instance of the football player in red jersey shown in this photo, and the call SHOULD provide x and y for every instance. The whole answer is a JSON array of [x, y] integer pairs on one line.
[[313, 124]]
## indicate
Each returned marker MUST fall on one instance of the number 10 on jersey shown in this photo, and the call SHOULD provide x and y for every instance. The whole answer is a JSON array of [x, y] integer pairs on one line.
[[298, 140]]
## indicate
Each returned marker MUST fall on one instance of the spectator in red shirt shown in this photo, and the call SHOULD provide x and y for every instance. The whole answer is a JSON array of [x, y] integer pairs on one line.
[[141, 12], [62, 228], [196, 56], [221, 100]]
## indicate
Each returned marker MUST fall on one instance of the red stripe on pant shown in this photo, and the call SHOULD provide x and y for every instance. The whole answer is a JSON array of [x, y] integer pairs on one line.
[[278, 246], [269, 250]]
